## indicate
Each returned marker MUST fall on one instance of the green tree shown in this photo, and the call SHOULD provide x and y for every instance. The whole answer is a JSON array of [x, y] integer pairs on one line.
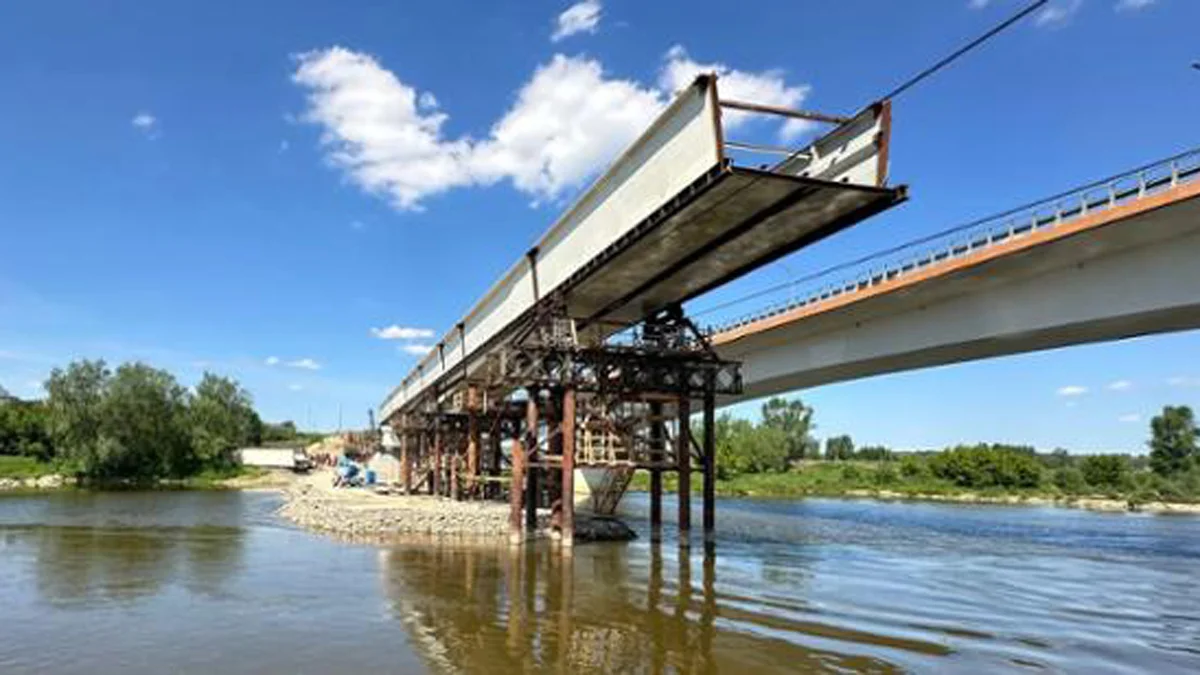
[[1172, 440], [1057, 459], [1105, 471], [75, 402], [986, 465], [221, 418], [873, 453], [24, 429], [743, 447], [839, 447], [1070, 480], [144, 425], [286, 431], [795, 421]]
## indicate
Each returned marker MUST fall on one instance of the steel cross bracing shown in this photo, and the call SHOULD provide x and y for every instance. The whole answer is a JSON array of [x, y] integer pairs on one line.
[[613, 406]]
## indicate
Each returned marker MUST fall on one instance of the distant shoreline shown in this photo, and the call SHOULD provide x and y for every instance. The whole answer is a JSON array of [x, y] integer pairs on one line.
[[52, 482]]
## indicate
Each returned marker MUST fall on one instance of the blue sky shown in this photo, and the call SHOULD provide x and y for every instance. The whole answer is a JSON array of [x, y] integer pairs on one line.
[[254, 187]]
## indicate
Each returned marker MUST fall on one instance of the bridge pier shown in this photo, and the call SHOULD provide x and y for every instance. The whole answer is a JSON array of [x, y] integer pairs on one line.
[[531, 473], [516, 489], [710, 470], [657, 441], [567, 519], [683, 455], [405, 468]]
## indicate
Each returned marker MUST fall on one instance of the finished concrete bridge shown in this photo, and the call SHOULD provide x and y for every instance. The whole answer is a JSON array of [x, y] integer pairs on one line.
[[1116, 259]]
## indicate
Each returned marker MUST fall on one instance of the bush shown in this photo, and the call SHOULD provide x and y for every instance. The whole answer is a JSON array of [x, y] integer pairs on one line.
[[912, 467], [984, 466], [886, 475], [1070, 480], [852, 474], [1105, 471]]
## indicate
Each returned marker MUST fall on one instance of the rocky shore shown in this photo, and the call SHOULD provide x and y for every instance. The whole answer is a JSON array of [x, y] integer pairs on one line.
[[360, 514], [49, 482]]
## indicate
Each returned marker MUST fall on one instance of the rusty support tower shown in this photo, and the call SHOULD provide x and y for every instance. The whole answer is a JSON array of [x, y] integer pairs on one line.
[[558, 404]]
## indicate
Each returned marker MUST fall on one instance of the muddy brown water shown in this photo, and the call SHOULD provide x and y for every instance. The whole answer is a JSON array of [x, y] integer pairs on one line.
[[213, 582]]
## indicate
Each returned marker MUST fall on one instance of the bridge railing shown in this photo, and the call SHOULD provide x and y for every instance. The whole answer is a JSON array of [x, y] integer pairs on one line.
[[917, 256]]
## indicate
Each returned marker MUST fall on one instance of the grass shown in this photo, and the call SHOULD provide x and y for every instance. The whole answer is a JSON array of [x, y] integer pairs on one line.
[[23, 467]]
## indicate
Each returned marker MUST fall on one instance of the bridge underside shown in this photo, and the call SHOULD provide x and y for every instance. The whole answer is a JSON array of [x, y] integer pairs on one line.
[[1134, 275]]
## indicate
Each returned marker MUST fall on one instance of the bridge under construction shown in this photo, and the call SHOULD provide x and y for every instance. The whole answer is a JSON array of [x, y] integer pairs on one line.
[[581, 356]]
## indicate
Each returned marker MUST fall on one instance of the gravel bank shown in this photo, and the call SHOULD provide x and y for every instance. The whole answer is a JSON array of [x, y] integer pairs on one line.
[[355, 513]]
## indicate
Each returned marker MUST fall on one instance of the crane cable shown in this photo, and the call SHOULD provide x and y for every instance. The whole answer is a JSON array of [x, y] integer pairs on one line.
[[916, 79], [900, 89]]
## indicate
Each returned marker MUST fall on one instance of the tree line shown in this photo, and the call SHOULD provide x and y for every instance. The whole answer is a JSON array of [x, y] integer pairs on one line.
[[135, 422], [783, 442]]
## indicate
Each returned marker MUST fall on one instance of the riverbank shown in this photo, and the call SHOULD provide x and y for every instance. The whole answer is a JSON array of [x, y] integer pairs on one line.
[[311, 502], [862, 480], [24, 474]]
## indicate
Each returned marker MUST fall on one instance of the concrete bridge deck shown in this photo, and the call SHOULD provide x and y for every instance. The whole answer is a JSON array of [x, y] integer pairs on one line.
[[1113, 260]]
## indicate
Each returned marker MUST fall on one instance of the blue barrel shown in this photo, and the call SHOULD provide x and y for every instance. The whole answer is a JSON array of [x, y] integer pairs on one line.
[[370, 476]]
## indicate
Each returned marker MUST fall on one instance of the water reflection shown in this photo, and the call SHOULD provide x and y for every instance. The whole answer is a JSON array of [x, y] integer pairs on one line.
[[93, 549], [605, 609]]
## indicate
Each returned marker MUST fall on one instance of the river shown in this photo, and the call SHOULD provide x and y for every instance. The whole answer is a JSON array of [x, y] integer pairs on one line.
[[213, 582]]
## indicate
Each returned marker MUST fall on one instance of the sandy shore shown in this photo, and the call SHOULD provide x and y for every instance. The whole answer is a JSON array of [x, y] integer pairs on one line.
[[313, 503]]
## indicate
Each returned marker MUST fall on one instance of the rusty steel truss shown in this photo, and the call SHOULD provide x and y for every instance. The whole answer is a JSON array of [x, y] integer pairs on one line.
[[550, 402]]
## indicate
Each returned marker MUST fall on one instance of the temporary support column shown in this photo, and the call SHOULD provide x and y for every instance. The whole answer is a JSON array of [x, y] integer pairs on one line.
[[405, 467], [497, 459], [531, 479], [657, 445], [568, 468], [684, 456], [437, 459], [710, 468], [472, 442], [516, 489], [454, 460]]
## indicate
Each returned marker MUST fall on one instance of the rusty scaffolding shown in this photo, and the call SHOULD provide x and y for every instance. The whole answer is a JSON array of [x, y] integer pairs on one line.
[[557, 403]]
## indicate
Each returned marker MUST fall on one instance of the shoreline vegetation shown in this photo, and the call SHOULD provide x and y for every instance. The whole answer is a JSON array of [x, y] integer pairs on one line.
[[778, 457], [133, 427]]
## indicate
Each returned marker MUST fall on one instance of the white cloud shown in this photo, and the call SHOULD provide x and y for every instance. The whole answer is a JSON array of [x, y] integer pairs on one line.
[[767, 87], [272, 361], [1119, 385], [1130, 418], [568, 121], [1132, 5], [1183, 381], [394, 332], [978, 4], [1057, 14], [147, 124], [416, 349], [295, 387], [1072, 390], [306, 364], [582, 17]]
